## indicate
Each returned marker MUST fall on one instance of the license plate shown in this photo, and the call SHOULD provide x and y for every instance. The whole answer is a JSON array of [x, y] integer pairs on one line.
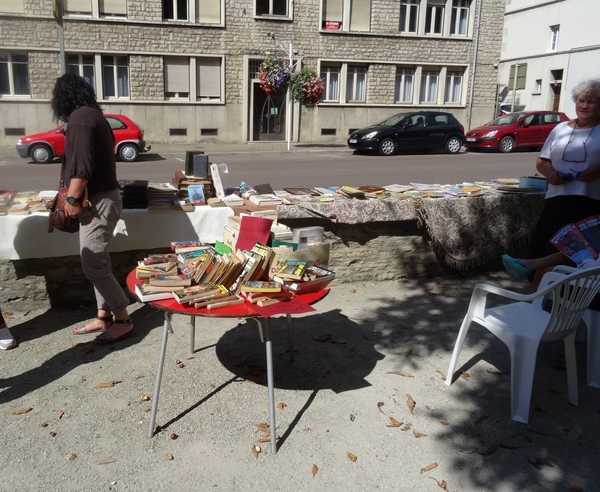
[[352, 140], [470, 139]]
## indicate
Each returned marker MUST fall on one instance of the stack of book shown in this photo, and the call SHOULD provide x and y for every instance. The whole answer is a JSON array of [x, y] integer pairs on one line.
[[182, 182], [157, 264], [264, 293], [134, 193], [313, 278], [160, 195], [265, 199]]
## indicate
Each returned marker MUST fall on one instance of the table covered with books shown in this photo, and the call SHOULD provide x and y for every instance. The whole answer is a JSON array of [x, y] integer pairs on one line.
[[26, 236], [465, 232], [299, 303]]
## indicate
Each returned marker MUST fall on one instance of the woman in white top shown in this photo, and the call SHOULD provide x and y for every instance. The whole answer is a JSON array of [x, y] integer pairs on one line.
[[570, 160]]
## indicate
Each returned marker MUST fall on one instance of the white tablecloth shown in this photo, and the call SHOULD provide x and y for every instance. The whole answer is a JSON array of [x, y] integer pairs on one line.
[[25, 236]]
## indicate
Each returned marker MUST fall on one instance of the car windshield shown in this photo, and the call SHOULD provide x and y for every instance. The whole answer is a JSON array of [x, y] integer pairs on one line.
[[392, 120], [507, 119]]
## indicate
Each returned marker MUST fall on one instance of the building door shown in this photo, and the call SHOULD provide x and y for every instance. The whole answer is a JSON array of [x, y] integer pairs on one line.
[[556, 96], [268, 115]]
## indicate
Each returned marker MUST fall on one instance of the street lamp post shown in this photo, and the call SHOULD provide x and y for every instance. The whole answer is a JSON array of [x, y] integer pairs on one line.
[[57, 12]]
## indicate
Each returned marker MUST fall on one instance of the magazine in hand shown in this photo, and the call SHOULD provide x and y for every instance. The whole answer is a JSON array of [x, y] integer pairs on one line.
[[579, 241]]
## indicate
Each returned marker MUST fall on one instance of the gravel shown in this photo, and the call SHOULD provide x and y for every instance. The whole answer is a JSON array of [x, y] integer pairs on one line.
[[358, 358]]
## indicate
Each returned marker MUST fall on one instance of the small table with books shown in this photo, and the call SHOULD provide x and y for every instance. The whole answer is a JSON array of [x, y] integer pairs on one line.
[[245, 310]]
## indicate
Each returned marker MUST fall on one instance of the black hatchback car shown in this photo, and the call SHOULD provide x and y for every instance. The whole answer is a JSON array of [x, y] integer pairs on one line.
[[418, 130]]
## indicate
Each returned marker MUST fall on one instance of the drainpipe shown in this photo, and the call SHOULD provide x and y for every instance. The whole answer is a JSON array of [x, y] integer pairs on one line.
[[474, 72]]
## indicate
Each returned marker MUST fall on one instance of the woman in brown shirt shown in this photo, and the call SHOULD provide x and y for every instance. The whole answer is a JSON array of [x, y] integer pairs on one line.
[[90, 162]]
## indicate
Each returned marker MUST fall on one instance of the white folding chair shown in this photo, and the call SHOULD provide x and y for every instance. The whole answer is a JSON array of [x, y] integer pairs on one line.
[[524, 324], [591, 318]]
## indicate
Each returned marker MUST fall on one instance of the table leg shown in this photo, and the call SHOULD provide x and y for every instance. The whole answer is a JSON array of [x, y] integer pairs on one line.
[[161, 362], [270, 385], [290, 340], [192, 333]]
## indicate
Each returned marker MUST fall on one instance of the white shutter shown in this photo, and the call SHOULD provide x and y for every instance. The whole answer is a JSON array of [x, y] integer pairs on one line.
[[177, 74], [118, 7], [332, 10], [209, 11], [13, 6], [209, 77], [82, 6], [360, 15]]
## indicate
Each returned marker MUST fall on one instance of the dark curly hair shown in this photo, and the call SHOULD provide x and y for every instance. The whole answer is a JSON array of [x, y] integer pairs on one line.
[[70, 92]]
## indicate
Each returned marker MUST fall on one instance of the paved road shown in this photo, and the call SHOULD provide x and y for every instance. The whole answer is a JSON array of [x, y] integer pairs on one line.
[[306, 166]]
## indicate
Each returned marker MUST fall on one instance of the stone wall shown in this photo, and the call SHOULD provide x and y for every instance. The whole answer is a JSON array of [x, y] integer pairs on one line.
[[368, 252]]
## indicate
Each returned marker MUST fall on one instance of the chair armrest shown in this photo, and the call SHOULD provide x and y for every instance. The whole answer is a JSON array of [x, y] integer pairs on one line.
[[564, 269]]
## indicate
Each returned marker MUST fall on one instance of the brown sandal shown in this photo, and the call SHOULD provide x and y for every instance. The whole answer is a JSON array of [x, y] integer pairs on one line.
[[84, 331], [106, 337]]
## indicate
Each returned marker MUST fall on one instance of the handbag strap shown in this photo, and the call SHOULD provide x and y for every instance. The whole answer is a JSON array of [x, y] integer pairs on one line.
[[62, 172]]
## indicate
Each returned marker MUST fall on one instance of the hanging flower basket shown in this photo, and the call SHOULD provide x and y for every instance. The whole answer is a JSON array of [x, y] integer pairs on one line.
[[307, 88], [274, 74]]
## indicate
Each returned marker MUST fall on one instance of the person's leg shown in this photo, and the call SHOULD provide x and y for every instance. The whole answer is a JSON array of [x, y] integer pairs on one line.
[[7, 341], [95, 234]]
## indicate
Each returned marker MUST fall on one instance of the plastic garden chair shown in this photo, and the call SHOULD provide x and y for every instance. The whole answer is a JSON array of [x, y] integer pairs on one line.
[[524, 324], [591, 318]]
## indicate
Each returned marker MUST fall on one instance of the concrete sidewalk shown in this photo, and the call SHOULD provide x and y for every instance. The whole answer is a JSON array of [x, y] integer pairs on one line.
[[368, 351]]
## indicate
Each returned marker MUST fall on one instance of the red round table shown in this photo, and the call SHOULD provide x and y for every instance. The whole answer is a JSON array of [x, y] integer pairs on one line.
[[171, 306]]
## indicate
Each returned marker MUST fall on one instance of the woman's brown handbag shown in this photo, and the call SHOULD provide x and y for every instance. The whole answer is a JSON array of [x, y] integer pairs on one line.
[[58, 219]]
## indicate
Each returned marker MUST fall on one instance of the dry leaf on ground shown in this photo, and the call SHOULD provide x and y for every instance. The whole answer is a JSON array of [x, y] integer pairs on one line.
[[262, 427], [281, 405], [429, 467], [22, 411], [406, 427], [169, 456], [480, 419], [401, 373], [315, 469], [441, 374], [144, 398], [323, 338], [418, 434], [352, 417], [443, 422], [408, 352], [441, 484], [71, 456], [352, 457], [108, 384], [256, 450], [490, 450], [496, 373], [394, 422], [465, 375], [379, 405], [353, 291], [410, 403]]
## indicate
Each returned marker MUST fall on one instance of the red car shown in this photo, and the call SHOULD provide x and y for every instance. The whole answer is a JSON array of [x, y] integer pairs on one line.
[[525, 129], [44, 147]]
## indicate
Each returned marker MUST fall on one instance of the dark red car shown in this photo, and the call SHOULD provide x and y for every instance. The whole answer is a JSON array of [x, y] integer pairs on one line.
[[44, 147], [523, 129]]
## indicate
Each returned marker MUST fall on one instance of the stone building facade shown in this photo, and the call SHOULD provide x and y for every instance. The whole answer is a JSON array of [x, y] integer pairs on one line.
[[186, 71]]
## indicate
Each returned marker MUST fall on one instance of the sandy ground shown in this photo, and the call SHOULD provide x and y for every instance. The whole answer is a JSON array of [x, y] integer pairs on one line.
[[367, 351]]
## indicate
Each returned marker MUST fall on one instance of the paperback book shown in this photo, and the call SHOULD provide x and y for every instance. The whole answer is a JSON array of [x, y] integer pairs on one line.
[[579, 241]]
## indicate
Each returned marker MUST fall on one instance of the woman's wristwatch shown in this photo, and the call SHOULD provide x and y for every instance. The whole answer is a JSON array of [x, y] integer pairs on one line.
[[71, 200]]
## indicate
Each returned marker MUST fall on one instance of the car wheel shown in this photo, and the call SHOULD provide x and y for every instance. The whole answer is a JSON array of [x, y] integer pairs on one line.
[[387, 147], [41, 154], [507, 145], [453, 145], [128, 152]]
